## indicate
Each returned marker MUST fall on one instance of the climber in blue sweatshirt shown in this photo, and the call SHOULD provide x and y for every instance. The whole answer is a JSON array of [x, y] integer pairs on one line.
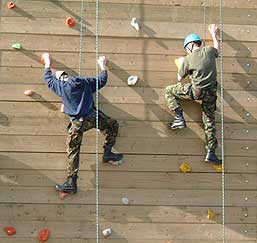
[[77, 96]]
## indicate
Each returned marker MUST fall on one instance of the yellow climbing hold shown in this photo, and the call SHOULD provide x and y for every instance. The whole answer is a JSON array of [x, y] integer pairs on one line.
[[211, 214], [217, 168], [185, 168]]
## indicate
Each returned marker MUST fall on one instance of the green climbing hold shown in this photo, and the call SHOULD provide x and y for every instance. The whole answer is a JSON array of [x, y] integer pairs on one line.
[[17, 46]]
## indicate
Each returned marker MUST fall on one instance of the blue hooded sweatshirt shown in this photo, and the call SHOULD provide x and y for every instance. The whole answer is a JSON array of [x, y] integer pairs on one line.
[[76, 92]]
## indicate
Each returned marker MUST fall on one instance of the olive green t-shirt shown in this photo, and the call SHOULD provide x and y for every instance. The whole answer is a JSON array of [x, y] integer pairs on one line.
[[200, 65]]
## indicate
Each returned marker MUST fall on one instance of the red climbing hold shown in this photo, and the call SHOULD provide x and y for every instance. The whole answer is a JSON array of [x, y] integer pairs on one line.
[[62, 195], [70, 22], [44, 235], [10, 230], [11, 5]]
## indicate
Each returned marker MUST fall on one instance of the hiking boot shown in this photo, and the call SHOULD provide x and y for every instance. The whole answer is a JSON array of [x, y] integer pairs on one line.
[[211, 157], [69, 186], [179, 121], [109, 156]]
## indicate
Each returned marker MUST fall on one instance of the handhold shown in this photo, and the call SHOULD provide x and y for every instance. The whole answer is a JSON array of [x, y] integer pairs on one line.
[[17, 46], [132, 80], [125, 200], [211, 214], [179, 61], [11, 5], [62, 108], [10, 230], [70, 22], [107, 232], [217, 168], [44, 235], [62, 195], [29, 92], [135, 23], [42, 60], [185, 168]]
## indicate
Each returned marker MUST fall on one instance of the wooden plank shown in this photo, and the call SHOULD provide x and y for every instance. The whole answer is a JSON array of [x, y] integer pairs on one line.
[[140, 180], [26, 143], [164, 163], [134, 230], [118, 45], [128, 62], [150, 29], [210, 198], [121, 214], [19, 75]]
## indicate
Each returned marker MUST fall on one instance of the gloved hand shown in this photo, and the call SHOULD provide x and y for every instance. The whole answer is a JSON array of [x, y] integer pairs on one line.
[[102, 62], [47, 60]]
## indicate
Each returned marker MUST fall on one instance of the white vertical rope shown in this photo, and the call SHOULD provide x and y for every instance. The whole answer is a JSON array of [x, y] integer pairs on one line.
[[81, 36], [97, 116], [222, 123]]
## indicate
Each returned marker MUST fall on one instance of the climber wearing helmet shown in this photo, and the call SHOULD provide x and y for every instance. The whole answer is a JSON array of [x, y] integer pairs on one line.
[[200, 66], [77, 96]]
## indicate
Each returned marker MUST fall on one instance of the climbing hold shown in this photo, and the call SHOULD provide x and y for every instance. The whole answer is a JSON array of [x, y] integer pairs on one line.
[[11, 5], [62, 108], [70, 22], [135, 23], [107, 232], [132, 80], [62, 195], [28, 92], [44, 235], [10, 230], [125, 200], [185, 168], [17, 46], [217, 168], [179, 61], [42, 60], [211, 214]]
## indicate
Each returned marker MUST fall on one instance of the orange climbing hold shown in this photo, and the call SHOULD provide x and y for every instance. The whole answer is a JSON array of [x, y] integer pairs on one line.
[[42, 60], [70, 22], [211, 214], [11, 5], [185, 168], [218, 168], [44, 235], [10, 230]]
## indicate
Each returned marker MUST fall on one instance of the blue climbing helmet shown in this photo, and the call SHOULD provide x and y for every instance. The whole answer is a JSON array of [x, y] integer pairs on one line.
[[191, 38]]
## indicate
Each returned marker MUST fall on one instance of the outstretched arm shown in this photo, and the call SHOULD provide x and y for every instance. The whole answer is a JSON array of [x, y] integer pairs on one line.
[[213, 28]]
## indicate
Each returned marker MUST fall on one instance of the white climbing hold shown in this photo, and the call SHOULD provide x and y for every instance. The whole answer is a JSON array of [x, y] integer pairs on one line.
[[107, 232], [125, 200], [135, 23], [132, 80], [28, 92]]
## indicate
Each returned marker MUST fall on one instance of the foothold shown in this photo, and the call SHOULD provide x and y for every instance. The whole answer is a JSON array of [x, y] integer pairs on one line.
[[246, 214], [246, 181], [10, 230], [248, 114], [107, 232], [125, 200], [217, 168], [247, 131], [246, 147], [246, 164], [70, 22], [62, 195], [44, 235], [245, 231], [132, 80], [17, 46], [11, 5], [246, 199], [248, 82], [29, 92], [135, 23], [211, 214], [185, 168], [179, 61], [248, 65], [62, 108]]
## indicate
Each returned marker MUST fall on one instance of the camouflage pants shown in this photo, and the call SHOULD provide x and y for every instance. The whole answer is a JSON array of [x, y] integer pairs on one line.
[[76, 128], [180, 91]]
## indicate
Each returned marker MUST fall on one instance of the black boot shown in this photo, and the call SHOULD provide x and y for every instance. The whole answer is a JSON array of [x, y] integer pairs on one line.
[[179, 121], [109, 156], [69, 186], [211, 157]]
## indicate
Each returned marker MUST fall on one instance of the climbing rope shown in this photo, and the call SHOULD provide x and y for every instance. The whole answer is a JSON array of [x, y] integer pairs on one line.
[[81, 36], [97, 114], [222, 123]]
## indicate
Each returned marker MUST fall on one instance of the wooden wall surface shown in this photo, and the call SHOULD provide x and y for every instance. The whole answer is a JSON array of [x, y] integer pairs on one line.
[[165, 205]]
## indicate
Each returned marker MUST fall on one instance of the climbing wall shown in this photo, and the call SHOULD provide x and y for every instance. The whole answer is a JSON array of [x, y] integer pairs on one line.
[[164, 204]]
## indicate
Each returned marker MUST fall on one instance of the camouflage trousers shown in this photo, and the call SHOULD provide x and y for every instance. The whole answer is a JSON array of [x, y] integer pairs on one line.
[[180, 91], [76, 128]]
